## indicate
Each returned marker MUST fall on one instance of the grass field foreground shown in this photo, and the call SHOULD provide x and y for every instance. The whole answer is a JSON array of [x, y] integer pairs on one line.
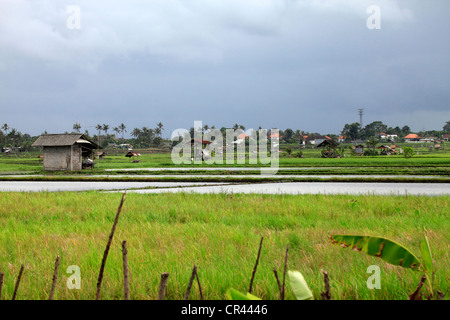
[[220, 233]]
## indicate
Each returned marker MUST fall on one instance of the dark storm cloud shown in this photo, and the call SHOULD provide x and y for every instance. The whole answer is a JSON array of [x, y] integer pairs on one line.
[[301, 64]]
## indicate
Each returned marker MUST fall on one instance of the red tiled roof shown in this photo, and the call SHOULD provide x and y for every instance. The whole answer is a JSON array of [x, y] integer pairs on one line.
[[242, 136], [412, 136], [275, 135]]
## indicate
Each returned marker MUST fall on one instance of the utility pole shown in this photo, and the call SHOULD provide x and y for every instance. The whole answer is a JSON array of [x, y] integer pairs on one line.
[[361, 112]]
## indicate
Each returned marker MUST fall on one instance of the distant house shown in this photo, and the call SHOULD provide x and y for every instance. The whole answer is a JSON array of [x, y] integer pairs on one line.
[[316, 140], [445, 137], [341, 139], [303, 140], [412, 137], [387, 136], [66, 151], [428, 139]]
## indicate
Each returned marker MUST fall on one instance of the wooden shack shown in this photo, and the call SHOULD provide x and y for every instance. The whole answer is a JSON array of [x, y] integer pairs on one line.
[[330, 148], [65, 151], [359, 149], [386, 150]]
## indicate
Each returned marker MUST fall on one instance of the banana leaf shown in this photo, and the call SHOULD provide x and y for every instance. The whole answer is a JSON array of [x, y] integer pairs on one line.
[[426, 255], [385, 249], [299, 286], [233, 294]]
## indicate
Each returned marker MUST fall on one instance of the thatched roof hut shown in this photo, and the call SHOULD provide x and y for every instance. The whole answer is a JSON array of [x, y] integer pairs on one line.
[[65, 151]]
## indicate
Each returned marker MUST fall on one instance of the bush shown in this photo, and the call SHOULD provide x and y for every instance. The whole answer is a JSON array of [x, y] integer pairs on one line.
[[371, 153], [408, 152]]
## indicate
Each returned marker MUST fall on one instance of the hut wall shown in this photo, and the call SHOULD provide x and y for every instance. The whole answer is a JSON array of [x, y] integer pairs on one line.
[[57, 158], [62, 158], [77, 159]]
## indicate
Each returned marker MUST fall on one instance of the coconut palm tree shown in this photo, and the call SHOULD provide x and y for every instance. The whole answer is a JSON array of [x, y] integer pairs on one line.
[[99, 129], [122, 129], [116, 130], [105, 128], [77, 127], [136, 132], [5, 128]]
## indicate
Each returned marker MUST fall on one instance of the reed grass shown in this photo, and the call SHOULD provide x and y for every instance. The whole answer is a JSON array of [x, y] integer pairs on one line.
[[219, 233]]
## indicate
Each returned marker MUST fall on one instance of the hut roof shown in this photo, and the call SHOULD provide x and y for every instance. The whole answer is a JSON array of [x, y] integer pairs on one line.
[[59, 140], [325, 143], [200, 140]]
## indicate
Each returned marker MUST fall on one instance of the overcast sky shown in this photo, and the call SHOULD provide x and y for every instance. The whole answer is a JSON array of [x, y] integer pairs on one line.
[[300, 64]]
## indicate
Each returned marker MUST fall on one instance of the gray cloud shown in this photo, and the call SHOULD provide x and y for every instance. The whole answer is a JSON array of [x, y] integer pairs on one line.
[[304, 64]]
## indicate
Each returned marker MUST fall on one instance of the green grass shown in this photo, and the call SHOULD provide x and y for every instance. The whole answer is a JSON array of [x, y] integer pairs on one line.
[[28, 161], [219, 233]]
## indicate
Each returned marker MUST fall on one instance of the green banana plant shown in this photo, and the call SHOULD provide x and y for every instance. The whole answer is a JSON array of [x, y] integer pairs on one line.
[[299, 286], [391, 252], [233, 294], [296, 280]]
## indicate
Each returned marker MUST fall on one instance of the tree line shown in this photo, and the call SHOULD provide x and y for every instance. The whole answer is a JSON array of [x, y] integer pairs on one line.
[[146, 137], [354, 131]]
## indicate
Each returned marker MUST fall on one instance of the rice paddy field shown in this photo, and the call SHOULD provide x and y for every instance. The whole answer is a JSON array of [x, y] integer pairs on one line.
[[423, 161], [219, 233]]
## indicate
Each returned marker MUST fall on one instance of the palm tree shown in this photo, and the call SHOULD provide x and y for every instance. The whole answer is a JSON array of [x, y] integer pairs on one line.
[[136, 132], [5, 128], [122, 128], [77, 127], [105, 128], [99, 129], [116, 130]]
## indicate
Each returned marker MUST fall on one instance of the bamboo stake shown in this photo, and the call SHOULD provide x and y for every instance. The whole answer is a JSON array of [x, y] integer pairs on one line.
[[256, 265], [126, 282], [163, 286], [108, 245], [416, 295], [55, 276], [2, 275], [326, 295], [191, 280], [17, 282], [278, 280], [199, 286], [284, 273]]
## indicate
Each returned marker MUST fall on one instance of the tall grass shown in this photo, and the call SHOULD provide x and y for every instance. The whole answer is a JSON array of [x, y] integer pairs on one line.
[[220, 233]]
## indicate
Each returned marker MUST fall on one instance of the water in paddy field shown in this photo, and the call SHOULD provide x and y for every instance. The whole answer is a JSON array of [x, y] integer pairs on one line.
[[429, 189]]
